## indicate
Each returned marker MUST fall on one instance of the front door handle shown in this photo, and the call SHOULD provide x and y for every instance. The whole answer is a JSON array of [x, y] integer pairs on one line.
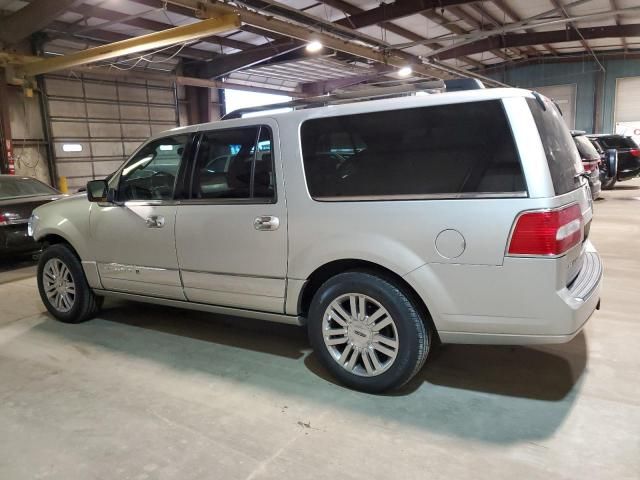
[[155, 221], [266, 222]]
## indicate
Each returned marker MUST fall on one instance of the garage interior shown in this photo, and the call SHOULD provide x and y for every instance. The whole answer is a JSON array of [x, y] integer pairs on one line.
[[150, 392]]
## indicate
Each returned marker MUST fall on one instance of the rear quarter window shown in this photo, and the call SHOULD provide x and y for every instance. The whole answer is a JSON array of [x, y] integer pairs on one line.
[[618, 142], [561, 152], [450, 150]]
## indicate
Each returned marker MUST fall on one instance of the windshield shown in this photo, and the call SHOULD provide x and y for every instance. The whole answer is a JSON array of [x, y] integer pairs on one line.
[[586, 148], [14, 187]]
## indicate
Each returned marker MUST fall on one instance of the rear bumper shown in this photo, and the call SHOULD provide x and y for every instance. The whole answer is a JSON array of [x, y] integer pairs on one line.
[[518, 303]]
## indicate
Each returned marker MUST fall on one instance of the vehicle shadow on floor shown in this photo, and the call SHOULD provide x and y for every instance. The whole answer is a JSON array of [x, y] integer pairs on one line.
[[538, 373], [492, 394]]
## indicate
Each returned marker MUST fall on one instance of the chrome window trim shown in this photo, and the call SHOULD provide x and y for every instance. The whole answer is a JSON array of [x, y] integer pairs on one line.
[[425, 196], [226, 201]]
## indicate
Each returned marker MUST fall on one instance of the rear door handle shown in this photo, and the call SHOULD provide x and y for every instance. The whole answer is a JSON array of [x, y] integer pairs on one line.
[[155, 221], [266, 222]]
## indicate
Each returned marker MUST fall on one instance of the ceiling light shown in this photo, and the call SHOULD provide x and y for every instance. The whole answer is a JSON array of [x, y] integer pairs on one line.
[[405, 72], [314, 46]]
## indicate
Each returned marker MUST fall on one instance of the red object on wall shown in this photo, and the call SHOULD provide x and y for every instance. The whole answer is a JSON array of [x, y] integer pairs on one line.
[[11, 162]]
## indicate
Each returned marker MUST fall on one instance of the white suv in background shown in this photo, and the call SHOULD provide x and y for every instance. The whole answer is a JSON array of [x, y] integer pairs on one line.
[[383, 226]]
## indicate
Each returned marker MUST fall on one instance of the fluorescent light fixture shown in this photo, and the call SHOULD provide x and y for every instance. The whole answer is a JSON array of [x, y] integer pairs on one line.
[[71, 147], [405, 72], [314, 46], [166, 148]]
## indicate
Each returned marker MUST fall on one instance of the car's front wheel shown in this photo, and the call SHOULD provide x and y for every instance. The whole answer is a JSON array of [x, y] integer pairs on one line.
[[63, 287], [367, 332]]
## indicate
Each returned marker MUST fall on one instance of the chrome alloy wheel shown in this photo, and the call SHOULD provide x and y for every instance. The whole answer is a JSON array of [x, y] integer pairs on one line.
[[59, 285], [360, 334]]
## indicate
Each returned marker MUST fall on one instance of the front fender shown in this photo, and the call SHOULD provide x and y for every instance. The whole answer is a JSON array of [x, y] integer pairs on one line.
[[67, 218]]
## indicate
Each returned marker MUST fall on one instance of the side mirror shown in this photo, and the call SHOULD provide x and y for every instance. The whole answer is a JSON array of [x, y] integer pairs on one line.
[[97, 190], [611, 158]]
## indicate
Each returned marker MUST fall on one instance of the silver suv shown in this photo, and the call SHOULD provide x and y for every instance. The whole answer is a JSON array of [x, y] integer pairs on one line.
[[383, 226]]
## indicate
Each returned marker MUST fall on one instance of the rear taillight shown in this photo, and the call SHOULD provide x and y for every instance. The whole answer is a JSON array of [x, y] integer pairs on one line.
[[3, 220], [548, 232], [635, 152], [589, 166]]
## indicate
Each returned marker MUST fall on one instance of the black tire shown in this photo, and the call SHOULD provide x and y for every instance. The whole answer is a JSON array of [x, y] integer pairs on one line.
[[85, 303], [413, 334], [609, 183]]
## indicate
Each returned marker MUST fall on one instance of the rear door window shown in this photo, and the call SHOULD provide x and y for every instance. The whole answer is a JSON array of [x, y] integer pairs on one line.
[[618, 142], [562, 155], [235, 164], [449, 150]]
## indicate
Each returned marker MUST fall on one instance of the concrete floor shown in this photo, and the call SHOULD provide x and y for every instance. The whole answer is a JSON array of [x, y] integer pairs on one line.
[[157, 393]]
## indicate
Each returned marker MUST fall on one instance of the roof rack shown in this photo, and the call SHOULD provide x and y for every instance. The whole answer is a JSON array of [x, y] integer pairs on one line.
[[363, 94]]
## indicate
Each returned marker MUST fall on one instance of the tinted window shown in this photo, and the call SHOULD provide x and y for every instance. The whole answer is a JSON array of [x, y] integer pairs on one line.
[[235, 163], [562, 155], [450, 149], [617, 141], [151, 173], [11, 187], [586, 149]]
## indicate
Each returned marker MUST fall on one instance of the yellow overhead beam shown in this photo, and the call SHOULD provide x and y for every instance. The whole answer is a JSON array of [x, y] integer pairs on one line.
[[152, 41]]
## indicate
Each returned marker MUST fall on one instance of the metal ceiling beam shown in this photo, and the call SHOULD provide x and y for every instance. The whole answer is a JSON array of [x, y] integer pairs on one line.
[[171, 36], [305, 33], [398, 9], [99, 37], [30, 19], [557, 4], [510, 40], [349, 9], [471, 20], [502, 5], [323, 87], [614, 6], [226, 64], [485, 15], [89, 11]]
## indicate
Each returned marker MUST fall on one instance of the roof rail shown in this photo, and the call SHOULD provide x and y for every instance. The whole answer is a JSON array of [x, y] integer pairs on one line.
[[364, 93]]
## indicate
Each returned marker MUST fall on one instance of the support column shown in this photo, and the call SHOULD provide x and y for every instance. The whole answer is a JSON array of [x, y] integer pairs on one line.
[[6, 147], [598, 102], [199, 104]]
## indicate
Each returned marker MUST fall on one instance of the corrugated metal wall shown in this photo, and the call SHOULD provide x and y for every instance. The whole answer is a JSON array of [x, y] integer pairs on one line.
[[108, 118], [29, 147]]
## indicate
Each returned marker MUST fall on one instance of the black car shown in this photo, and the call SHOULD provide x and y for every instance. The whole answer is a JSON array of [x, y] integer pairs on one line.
[[608, 165], [628, 154], [19, 196], [590, 161]]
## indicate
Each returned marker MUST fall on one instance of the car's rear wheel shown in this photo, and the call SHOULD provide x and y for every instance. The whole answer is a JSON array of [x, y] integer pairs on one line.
[[367, 332], [63, 287]]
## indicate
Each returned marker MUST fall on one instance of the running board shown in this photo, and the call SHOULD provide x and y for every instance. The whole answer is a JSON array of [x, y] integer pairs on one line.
[[203, 307]]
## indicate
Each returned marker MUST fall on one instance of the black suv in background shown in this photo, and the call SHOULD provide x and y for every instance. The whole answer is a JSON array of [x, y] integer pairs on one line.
[[628, 153], [590, 161]]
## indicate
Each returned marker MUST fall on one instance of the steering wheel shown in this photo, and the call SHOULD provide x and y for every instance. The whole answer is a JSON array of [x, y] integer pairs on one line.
[[162, 185]]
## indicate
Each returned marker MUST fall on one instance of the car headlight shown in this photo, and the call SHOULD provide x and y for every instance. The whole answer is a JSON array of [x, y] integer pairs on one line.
[[32, 224]]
